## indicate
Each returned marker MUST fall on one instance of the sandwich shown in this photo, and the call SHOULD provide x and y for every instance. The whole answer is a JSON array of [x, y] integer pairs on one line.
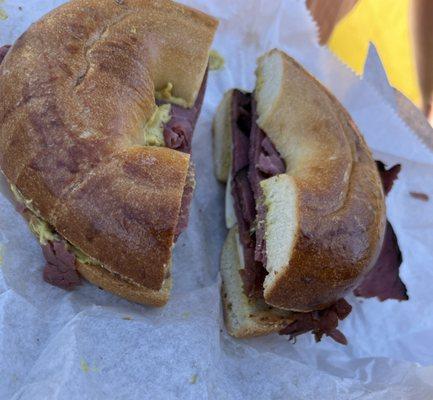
[[305, 207], [99, 103]]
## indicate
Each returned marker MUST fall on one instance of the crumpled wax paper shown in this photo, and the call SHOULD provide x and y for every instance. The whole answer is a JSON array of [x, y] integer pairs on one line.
[[89, 344]]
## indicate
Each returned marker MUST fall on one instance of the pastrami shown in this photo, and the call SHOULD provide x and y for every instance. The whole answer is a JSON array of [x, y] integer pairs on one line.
[[254, 159], [60, 268], [243, 199], [384, 281], [178, 134], [179, 130], [388, 176], [323, 322], [265, 163]]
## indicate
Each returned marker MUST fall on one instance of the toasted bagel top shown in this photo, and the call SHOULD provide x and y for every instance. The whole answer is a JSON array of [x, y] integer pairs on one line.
[[326, 215]]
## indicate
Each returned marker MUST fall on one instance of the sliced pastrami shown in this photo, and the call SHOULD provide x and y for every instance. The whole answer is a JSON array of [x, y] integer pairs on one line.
[[269, 162], [178, 134], [60, 268], [245, 204], [243, 199], [265, 163], [323, 322], [254, 159], [241, 126], [388, 176], [384, 281], [179, 130], [253, 276]]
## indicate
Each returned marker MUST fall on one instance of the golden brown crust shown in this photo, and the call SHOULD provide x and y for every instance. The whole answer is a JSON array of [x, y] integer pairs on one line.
[[77, 89], [103, 278], [125, 213], [340, 200]]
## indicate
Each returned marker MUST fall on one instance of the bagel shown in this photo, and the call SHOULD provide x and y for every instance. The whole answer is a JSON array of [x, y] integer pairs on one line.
[[87, 93], [305, 203]]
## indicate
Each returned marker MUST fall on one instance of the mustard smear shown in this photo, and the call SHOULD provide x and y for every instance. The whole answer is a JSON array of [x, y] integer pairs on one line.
[[166, 94], [216, 60], [154, 128]]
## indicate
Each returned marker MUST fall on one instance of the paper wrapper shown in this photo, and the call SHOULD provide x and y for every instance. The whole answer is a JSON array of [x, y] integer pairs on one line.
[[89, 344]]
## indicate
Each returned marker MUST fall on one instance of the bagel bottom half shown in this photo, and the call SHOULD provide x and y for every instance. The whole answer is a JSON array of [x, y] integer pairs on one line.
[[104, 279]]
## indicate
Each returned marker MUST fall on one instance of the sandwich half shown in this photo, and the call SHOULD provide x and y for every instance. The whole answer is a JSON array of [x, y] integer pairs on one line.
[[305, 204], [99, 103]]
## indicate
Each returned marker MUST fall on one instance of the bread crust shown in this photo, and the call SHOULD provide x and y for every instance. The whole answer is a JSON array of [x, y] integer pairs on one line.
[[77, 88], [340, 204]]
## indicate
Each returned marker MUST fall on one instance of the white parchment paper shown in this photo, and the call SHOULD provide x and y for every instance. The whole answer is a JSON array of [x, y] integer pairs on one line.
[[89, 344]]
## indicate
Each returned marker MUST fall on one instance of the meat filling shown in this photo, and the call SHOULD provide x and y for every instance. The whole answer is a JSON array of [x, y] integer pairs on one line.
[[60, 269], [383, 281], [178, 136], [178, 131], [254, 159]]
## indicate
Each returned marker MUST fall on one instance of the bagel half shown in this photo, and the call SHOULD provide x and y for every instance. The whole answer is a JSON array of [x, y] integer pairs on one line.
[[323, 217], [78, 113]]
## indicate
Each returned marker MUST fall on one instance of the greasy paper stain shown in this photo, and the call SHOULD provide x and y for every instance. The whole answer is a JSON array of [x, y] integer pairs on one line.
[[216, 61]]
